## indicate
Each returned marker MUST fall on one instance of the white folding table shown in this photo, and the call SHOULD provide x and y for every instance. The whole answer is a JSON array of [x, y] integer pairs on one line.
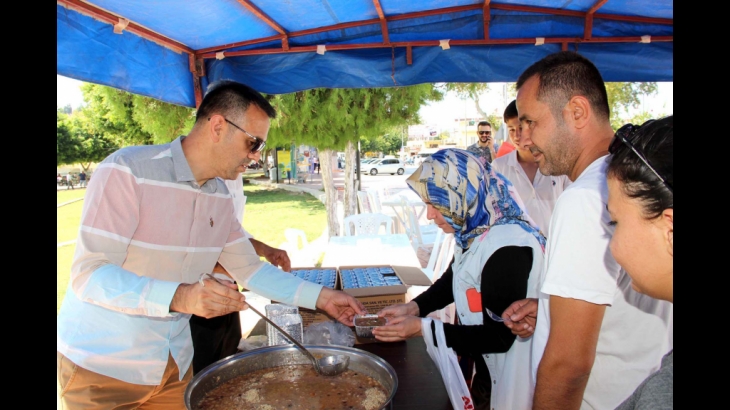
[[394, 201], [392, 249]]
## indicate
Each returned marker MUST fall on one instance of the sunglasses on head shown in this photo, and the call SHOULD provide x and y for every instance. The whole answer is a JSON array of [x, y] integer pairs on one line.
[[485, 132], [258, 144], [622, 136]]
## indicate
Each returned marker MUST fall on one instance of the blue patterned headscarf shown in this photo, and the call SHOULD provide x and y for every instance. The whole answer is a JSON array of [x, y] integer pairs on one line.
[[470, 195]]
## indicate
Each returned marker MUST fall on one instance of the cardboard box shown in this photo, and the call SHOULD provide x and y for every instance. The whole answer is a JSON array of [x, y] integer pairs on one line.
[[373, 298], [408, 275], [378, 297], [310, 316]]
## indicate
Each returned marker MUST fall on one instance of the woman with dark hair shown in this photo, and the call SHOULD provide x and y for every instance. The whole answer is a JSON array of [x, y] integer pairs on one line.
[[641, 204], [497, 258]]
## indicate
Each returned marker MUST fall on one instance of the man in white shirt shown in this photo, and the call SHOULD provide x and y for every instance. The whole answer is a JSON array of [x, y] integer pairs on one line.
[[156, 219], [537, 191], [596, 339], [218, 337]]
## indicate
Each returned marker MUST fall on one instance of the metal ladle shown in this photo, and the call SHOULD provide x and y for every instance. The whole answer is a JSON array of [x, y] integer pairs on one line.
[[326, 366]]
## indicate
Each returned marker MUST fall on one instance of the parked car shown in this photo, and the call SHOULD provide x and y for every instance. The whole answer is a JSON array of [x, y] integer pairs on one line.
[[390, 166]]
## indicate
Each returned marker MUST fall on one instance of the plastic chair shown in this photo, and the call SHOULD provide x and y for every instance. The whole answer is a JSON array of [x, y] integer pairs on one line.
[[375, 195], [374, 200], [419, 234], [367, 224], [302, 253], [440, 256], [296, 237], [364, 202]]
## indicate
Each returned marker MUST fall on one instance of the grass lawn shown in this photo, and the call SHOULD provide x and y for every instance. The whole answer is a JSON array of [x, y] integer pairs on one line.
[[69, 195], [268, 213]]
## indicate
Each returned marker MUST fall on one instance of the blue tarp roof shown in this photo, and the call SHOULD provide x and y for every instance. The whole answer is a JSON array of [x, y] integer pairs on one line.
[[273, 45]]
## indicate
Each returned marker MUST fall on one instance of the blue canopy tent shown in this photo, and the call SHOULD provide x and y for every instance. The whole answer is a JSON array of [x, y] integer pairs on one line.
[[171, 50]]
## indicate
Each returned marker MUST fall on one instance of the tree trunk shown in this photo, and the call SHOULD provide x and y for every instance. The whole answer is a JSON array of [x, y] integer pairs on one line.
[[330, 191], [479, 109], [265, 159], [350, 188]]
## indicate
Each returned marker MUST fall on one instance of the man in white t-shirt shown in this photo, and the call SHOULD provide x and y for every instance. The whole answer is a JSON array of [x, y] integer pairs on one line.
[[219, 337], [537, 191], [596, 339]]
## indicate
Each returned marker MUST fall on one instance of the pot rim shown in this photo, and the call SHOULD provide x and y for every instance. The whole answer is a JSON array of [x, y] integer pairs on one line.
[[329, 349]]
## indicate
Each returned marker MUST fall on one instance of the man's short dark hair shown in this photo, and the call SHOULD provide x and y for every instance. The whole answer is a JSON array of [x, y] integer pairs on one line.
[[566, 74], [231, 99], [511, 111], [484, 123]]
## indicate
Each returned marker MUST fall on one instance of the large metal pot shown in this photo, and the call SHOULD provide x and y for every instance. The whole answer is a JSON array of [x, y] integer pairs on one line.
[[238, 364]]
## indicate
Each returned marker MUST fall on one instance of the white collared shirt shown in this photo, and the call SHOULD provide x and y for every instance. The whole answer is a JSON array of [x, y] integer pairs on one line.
[[146, 227], [538, 196], [235, 188]]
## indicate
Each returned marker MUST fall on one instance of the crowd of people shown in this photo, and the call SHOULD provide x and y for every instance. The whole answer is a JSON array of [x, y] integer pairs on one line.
[[561, 277], [69, 180], [591, 249]]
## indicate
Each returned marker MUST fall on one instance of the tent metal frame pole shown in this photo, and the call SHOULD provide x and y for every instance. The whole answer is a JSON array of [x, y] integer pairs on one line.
[[485, 7], [103, 15], [436, 43]]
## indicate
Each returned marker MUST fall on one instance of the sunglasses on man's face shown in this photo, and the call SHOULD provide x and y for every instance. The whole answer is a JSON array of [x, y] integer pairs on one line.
[[485, 132], [258, 144], [622, 137]]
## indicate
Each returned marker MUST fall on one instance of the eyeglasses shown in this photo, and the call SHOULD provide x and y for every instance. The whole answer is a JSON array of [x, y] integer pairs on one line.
[[485, 132], [621, 136], [258, 144]]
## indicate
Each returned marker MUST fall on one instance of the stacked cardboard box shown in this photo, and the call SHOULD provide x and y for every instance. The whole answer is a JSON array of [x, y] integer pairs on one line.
[[374, 298]]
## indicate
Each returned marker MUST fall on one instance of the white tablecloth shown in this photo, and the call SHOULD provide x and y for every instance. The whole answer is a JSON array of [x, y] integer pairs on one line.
[[394, 249]]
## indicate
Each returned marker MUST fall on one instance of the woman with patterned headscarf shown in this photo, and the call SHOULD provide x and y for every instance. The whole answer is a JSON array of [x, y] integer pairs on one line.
[[498, 255]]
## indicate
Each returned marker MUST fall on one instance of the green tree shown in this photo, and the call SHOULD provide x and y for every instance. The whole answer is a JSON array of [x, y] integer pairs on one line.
[[67, 144], [110, 111], [642, 117], [95, 144], [77, 142], [388, 144], [624, 96], [392, 142], [335, 119], [496, 121], [132, 119]]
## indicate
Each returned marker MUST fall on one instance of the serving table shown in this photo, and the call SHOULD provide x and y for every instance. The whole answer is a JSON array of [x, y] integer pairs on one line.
[[390, 249]]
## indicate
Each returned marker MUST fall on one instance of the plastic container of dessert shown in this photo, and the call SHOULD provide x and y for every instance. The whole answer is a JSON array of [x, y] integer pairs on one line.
[[364, 324]]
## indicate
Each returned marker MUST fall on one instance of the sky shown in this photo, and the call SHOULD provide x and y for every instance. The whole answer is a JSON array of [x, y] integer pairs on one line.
[[68, 92], [439, 115]]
